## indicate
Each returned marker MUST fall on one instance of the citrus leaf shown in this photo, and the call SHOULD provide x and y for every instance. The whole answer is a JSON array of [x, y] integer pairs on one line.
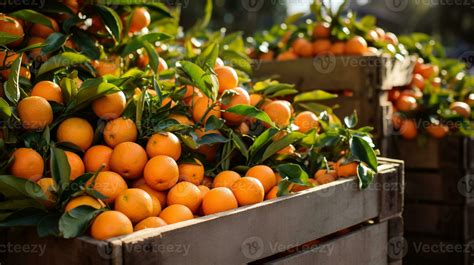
[[62, 60], [239, 60], [153, 55], [54, 42], [23, 217], [262, 140], [280, 144], [13, 187], [251, 111], [5, 110], [294, 173], [75, 222], [19, 204], [206, 82], [32, 16], [60, 168], [111, 20], [314, 96], [6, 38], [48, 225], [283, 187], [137, 41], [208, 56], [351, 121], [91, 91], [212, 138], [86, 44], [365, 175], [12, 86], [362, 151]]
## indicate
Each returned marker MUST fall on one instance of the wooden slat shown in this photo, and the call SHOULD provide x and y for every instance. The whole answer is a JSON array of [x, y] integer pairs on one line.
[[367, 246], [249, 233]]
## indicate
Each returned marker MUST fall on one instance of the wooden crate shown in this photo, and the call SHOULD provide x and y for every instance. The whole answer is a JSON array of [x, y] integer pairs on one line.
[[244, 235]]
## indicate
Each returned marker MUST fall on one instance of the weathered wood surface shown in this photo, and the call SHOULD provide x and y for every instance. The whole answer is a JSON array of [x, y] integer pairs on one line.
[[367, 246], [233, 237], [424, 250], [339, 72]]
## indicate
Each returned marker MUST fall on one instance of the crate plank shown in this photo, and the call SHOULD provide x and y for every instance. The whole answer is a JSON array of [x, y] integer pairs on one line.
[[370, 240]]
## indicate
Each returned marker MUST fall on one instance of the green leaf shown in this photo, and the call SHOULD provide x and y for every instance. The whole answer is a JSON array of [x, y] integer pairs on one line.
[[137, 42], [14, 187], [262, 140], [280, 144], [111, 20], [86, 44], [153, 55], [239, 144], [48, 225], [6, 38], [214, 123], [18, 204], [62, 60], [5, 110], [365, 175], [362, 151], [69, 89], [351, 121], [54, 42], [212, 138], [91, 91], [75, 186], [12, 86], [283, 187], [75, 222], [60, 168], [239, 60], [294, 173], [23, 217], [251, 111], [314, 96], [32, 16], [206, 82], [208, 57]]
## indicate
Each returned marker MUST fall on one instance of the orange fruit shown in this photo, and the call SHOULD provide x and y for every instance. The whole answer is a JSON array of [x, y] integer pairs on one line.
[[110, 106], [109, 184], [461, 108], [302, 47], [396, 120], [128, 159], [11, 26], [74, 5], [83, 200], [264, 174], [267, 56], [209, 151], [255, 99], [40, 30], [97, 156], [380, 32], [286, 56], [393, 95], [181, 119], [191, 172], [272, 194], [408, 129], [161, 172], [414, 92], [136, 204], [372, 36], [120, 130], [48, 90], [279, 112], [289, 150], [218, 200], [437, 130], [176, 213], [322, 30], [27, 164], [428, 71], [165, 143], [200, 108], [140, 19], [306, 121], [204, 190], [111, 224], [185, 193], [418, 81], [76, 165], [47, 187], [322, 46], [248, 190], [240, 98], [356, 46], [76, 131], [159, 195], [328, 177], [297, 187], [346, 170], [104, 68], [225, 179], [227, 77], [406, 103], [150, 222], [35, 113], [338, 48]]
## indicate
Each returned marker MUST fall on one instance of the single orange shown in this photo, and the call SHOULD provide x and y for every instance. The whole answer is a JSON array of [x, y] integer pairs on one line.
[[264, 174], [150, 222], [176, 213], [110, 106], [187, 194], [338, 48], [286, 56], [97, 156], [76, 131], [322, 30], [76, 165], [272, 194], [218, 200], [165, 143], [109, 184], [83, 200], [345, 170], [48, 90], [248, 190], [35, 113], [356, 46], [326, 178], [140, 19], [43, 31], [225, 179], [191, 172], [306, 121], [161, 172], [321, 46], [120, 130], [27, 164], [406, 103], [11, 26], [111, 224], [437, 130], [136, 204], [302, 47], [408, 129], [128, 159], [241, 97], [159, 195], [201, 107], [227, 77]]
